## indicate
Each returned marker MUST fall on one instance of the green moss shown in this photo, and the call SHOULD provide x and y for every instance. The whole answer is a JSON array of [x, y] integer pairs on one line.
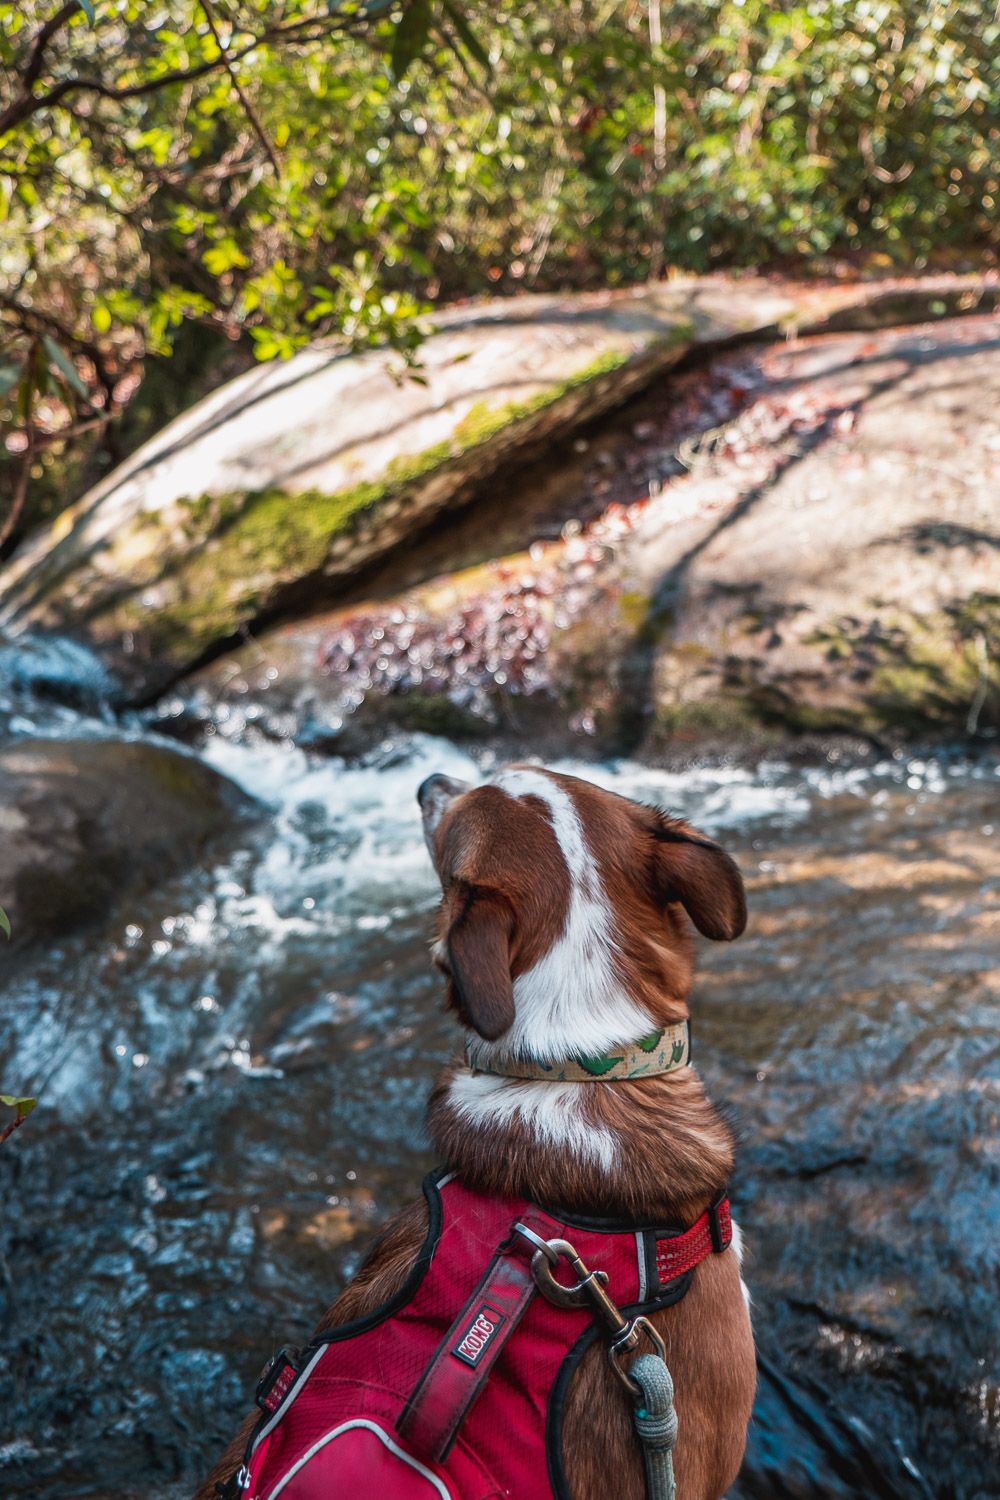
[[683, 332], [728, 716], [918, 672], [482, 421], [243, 547], [263, 538], [634, 610], [647, 620]]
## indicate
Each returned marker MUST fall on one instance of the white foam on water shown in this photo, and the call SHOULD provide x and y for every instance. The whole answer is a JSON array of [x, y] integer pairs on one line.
[[285, 776], [346, 836], [715, 797]]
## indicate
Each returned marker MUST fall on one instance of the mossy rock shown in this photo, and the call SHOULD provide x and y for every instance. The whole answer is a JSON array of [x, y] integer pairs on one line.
[[283, 487], [159, 578]]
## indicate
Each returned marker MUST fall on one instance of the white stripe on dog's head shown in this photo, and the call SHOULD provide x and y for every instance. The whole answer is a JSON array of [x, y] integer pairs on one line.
[[571, 1001]]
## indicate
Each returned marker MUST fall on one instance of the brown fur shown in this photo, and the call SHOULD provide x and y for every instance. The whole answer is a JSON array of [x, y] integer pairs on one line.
[[679, 1151], [501, 856]]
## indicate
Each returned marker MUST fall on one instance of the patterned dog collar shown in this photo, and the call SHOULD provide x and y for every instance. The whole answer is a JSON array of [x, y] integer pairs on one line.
[[660, 1052]]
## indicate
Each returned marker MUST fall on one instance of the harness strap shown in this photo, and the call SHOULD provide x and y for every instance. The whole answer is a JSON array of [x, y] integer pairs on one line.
[[469, 1350], [669, 1256]]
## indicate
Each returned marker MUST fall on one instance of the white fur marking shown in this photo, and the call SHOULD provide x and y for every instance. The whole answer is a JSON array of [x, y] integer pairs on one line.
[[551, 1110], [737, 1249], [571, 1001]]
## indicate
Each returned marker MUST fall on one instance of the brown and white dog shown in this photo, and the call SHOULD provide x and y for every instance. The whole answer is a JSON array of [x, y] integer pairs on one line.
[[563, 930]]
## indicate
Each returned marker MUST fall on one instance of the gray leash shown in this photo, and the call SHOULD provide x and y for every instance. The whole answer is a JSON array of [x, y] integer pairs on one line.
[[655, 1419]]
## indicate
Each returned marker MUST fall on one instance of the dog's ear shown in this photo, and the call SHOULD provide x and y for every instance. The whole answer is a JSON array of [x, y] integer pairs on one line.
[[478, 945], [693, 870]]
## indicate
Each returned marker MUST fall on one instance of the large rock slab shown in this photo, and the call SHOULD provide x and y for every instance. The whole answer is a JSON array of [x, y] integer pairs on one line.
[[834, 560], [82, 822], [822, 554], [283, 484]]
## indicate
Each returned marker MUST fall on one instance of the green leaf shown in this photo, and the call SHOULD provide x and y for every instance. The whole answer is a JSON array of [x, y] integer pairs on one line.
[[4, 923], [225, 256], [24, 1106], [9, 376], [64, 365], [411, 36], [468, 37], [87, 7]]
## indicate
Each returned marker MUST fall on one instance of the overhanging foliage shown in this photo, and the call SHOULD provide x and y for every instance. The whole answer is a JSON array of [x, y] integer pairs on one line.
[[192, 177]]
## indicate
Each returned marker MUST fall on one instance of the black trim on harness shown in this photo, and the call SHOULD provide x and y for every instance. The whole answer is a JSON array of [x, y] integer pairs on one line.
[[435, 1218], [418, 1271], [719, 1240], [672, 1292], [624, 1225]]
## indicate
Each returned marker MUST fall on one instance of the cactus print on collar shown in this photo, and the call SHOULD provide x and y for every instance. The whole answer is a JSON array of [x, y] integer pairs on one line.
[[661, 1051]]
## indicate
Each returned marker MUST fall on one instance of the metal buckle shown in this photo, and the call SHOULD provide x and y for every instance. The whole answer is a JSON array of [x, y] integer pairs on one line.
[[537, 1241], [628, 1342], [623, 1335]]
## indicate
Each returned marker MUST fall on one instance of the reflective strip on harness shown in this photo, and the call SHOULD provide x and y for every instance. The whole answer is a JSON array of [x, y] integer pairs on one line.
[[356, 1424]]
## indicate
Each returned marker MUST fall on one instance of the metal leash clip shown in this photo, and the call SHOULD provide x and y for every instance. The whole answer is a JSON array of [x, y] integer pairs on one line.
[[624, 1335]]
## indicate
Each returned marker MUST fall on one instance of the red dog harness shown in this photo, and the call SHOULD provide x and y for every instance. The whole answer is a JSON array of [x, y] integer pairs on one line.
[[391, 1400]]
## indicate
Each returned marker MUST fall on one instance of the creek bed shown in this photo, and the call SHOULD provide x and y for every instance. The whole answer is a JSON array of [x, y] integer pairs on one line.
[[232, 1074]]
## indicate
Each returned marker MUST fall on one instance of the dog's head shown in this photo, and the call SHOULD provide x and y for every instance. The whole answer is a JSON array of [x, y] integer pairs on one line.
[[562, 920]]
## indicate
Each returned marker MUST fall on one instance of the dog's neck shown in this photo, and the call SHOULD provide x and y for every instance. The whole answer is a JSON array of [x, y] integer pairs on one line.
[[650, 1149], [618, 970], [663, 1050]]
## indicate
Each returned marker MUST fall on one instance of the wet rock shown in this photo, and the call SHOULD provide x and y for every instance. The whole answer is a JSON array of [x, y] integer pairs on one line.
[[82, 822], [272, 493], [801, 1447]]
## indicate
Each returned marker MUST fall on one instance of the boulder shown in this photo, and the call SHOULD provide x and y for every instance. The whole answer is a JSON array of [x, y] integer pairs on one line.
[[84, 821], [271, 494], [822, 556], [834, 561]]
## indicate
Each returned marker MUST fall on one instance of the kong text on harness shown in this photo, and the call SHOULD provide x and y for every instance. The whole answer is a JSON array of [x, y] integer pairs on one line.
[[455, 1384]]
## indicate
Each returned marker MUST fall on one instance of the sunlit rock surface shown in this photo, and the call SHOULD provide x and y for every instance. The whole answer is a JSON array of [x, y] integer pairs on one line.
[[797, 537], [273, 492]]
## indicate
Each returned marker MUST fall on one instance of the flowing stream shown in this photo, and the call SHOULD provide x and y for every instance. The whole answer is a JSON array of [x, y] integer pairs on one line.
[[232, 1072]]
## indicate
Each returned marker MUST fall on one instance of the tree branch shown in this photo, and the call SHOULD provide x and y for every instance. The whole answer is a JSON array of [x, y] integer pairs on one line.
[[293, 33], [36, 56], [248, 108], [32, 319], [9, 1129], [19, 497]]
